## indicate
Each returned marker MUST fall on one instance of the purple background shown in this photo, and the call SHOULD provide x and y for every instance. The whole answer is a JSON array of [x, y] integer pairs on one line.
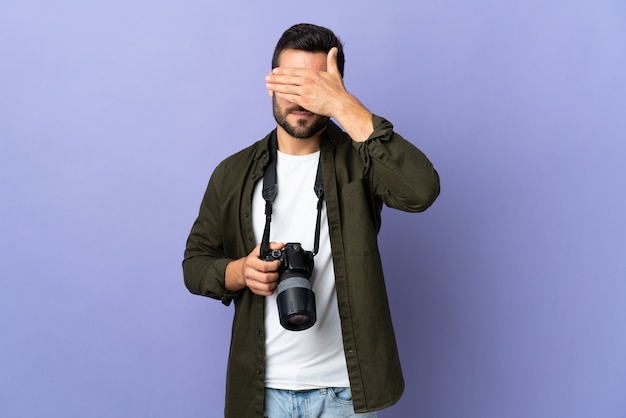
[[508, 295]]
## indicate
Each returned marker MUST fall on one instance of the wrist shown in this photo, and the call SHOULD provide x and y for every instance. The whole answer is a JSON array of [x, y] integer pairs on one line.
[[355, 119], [234, 278]]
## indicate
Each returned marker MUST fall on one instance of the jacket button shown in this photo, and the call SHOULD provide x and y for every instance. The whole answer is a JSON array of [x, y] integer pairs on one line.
[[258, 332]]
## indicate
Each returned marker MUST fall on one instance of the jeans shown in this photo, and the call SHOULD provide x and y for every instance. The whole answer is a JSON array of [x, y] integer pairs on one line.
[[315, 403]]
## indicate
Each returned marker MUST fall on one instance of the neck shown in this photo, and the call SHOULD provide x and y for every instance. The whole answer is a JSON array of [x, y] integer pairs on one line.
[[297, 146]]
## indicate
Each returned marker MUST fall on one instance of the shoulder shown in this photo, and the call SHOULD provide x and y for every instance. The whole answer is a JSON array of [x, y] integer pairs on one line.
[[241, 160]]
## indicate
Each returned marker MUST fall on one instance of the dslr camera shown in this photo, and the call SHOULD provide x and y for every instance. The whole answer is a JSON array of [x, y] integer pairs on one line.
[[295, 297]]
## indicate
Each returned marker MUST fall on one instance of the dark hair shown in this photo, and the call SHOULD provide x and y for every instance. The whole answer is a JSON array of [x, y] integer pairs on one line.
[[310, 38]]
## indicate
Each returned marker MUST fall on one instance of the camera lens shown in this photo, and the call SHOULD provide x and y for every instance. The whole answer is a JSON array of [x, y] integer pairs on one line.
[[296, 303], [297, 320], [294, 296]]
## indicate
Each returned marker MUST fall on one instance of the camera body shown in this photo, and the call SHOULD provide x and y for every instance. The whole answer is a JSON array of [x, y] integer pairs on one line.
[[295, 297]]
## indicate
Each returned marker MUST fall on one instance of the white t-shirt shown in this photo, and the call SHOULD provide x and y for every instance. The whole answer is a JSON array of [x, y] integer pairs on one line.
[[313, 358]]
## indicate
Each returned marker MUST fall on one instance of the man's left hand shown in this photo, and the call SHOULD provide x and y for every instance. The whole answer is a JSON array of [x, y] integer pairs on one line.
[[322, 93], [319, 92]]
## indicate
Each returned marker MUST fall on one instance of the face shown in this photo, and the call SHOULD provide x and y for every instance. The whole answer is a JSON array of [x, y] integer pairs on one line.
[[294, 119]]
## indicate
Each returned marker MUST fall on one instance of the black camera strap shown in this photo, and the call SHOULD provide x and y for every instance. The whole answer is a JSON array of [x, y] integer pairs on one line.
[[270, 190]]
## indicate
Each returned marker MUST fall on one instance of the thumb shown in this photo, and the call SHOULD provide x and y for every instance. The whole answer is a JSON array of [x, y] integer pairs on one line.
[[331, 61], [276, 245]]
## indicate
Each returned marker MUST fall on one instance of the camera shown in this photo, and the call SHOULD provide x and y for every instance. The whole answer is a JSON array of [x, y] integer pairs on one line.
[[295, 297]]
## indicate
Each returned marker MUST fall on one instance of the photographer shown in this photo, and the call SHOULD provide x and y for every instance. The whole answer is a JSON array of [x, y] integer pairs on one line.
[[327, 187]]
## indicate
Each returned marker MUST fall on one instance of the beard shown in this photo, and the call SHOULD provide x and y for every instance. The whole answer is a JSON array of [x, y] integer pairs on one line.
[[303, 129]]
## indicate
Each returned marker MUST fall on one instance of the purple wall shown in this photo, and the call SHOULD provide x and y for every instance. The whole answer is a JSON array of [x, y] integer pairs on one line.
[[509, 294]]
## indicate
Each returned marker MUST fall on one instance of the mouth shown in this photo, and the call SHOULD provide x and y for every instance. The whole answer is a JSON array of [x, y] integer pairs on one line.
[[300, 112]]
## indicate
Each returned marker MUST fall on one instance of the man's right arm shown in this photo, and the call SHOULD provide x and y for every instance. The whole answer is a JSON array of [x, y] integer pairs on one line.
[[205, 259]]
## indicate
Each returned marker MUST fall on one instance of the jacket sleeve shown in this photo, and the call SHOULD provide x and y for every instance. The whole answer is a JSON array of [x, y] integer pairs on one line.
[[204, 263], [400, 174]]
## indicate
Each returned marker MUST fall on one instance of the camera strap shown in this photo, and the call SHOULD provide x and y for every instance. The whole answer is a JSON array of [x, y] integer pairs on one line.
[[270, 190]]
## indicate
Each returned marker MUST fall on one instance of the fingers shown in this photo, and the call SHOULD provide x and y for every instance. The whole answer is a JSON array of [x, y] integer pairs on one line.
[[320, 92], [288, 80], [277, 245], [275, 83], [261, 276], [331, 61], [285, 85], [303, 87], [292, 76], [261, 283]]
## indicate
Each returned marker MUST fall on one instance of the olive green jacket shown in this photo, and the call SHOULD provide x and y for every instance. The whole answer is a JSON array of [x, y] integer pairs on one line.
[[358, 179]]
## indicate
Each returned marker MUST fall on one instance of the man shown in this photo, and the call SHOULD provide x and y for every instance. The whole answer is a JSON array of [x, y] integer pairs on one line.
[[346, 364]]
